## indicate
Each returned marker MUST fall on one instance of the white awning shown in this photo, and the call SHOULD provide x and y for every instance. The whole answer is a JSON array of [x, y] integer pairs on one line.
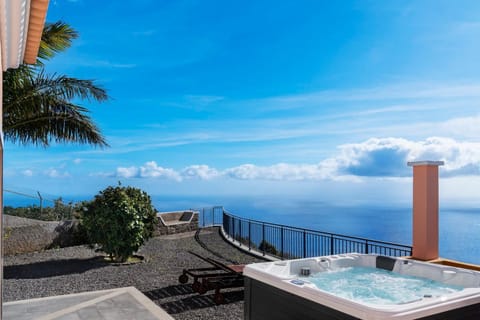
[[14, 27], [21, 24]]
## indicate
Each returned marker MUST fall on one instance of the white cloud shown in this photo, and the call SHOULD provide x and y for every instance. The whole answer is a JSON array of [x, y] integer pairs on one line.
[[27, 173], [103, 64], [331, 129], [129, 172], [55, 173], [468, 127], [375, 157], [152, 170], [388, 156], [281, 171], [110, 64], [408, 91], [149, 170], [202, 172], [77, 161]]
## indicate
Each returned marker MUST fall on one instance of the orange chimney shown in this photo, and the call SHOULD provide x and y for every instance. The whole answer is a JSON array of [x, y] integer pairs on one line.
[[425, 209]]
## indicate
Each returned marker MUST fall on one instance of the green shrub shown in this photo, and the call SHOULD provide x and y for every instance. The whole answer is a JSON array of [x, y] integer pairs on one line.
[[119, 219]]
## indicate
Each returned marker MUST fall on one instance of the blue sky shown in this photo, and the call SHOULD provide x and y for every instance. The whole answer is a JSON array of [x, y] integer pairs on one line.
[[316, 99]]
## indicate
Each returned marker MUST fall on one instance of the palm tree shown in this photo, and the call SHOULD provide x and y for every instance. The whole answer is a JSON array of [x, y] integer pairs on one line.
[[38, 108]]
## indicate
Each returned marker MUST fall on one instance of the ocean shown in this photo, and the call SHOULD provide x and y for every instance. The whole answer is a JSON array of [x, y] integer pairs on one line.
[[459, 227]]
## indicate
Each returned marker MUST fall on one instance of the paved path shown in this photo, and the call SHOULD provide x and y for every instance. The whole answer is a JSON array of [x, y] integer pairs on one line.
[[118, 304]]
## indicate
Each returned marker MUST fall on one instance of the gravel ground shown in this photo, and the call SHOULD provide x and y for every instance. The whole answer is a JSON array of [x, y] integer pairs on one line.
[[79, 269]]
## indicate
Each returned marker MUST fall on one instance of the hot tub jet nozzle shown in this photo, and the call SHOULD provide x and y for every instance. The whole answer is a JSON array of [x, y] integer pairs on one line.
[[305, 271]]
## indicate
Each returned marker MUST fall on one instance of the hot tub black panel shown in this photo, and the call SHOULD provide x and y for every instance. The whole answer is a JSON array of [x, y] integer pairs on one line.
[[471, 312], [265, 302], [385, 263]]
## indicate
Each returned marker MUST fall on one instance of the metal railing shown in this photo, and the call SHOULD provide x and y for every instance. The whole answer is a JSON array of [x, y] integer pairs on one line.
[[32, 204], [286, 242], [209, 217]]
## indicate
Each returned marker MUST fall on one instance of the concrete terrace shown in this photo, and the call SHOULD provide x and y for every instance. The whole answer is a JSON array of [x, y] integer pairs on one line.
[[119, 304]]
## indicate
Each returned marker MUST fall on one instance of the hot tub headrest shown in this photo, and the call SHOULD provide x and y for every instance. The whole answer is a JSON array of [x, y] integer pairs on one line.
[[385, 263]]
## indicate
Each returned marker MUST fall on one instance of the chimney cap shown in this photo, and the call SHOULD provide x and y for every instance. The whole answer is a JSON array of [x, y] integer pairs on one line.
[[425, 163]]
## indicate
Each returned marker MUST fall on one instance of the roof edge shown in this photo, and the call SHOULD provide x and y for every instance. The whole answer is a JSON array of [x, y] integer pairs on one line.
[[38, 14]]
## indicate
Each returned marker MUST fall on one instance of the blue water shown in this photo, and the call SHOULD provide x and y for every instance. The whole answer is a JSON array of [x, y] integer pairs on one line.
[[459, 228], [377, 286]]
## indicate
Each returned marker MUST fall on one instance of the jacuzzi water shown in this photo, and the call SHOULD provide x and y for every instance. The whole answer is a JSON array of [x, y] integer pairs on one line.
[[378, 286]]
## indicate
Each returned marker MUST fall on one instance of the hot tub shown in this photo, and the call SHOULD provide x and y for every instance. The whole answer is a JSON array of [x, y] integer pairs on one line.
[[359, 286]]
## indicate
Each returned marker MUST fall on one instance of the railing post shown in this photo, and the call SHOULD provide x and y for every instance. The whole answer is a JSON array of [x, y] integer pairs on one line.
[[230, 226], [366, 246], [235, 229], [249, 235], [240, 232], [304, 243], [281, 242], [331, 244], [203, 217], [263, 238], [224, 225]]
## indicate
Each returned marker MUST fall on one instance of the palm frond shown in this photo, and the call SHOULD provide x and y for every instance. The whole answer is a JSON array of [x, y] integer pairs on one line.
[[70, 88], [20, 89], [56, 37], [51, 125], [37, 110]]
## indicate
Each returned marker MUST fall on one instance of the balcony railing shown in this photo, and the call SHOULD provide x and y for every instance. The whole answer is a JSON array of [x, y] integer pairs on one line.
[[286, 242]]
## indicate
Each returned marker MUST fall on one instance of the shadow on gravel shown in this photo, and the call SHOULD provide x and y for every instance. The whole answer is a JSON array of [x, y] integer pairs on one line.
[[170, 291], [189, 303], [199, 302], [52, 268]]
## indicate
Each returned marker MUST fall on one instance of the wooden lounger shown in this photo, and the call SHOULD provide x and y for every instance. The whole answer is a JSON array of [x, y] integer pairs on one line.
[[218, 276]]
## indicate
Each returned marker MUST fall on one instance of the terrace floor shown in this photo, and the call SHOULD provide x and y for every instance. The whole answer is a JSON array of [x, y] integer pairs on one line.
[[80, 269], [119, 304]]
